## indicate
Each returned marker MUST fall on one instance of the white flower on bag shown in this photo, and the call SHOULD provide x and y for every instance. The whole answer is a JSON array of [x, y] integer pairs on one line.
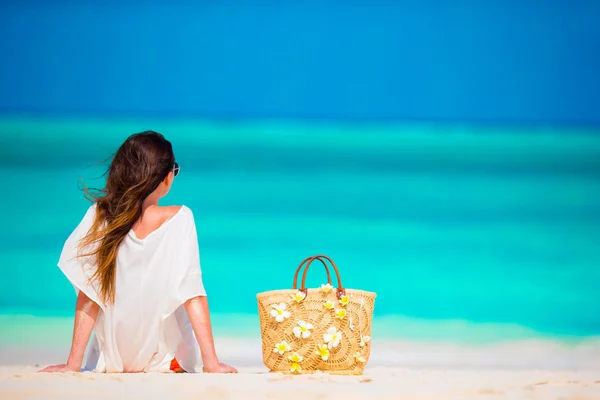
[[328, 305], [298, 297], [279, 313], [326, 288], [323, 351], [344, 300], [281, 347], [333, 337], [359, 357], [364, 340], [302, 330], [340, 313]]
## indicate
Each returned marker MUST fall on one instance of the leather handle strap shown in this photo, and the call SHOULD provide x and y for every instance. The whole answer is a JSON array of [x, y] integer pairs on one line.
[[340, 289], [302, 264]]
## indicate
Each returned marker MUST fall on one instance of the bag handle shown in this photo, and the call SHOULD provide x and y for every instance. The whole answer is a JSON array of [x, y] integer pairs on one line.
[[340, 291], [302, 264]]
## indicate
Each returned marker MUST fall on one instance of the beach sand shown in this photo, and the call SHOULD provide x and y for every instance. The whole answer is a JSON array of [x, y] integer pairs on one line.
[[396, 370], [255, 383]]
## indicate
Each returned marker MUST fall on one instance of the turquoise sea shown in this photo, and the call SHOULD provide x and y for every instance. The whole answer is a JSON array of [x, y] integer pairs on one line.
[[468, 233]]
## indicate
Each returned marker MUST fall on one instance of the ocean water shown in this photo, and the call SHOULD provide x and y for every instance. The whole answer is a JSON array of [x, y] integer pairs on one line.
[[465, 233]]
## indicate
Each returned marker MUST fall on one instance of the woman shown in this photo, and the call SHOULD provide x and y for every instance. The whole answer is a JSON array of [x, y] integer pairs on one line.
[[136, 269]]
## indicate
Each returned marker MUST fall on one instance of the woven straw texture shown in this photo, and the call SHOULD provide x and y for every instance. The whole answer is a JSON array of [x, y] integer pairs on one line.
[[288, 348]]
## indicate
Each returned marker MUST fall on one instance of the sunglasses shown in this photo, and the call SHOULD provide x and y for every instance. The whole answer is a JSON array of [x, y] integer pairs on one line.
[[176, 170]]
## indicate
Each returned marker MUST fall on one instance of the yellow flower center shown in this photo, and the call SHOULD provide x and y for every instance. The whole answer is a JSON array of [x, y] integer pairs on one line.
[[303, 329], [281, 347], [279, 312]]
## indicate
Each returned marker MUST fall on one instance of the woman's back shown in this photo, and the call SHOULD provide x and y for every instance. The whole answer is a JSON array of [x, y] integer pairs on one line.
[[158, 268]]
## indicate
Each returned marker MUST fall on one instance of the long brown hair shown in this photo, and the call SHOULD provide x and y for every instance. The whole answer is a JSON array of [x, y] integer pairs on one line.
[[136, 170]]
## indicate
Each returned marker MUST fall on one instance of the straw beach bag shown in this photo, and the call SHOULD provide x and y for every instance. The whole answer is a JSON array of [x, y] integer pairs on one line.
[[324, 329]]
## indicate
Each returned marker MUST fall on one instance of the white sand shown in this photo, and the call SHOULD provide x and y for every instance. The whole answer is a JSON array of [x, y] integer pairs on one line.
[[255, 383], [397, 370]]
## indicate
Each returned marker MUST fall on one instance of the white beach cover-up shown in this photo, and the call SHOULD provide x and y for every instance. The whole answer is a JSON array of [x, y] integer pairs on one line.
[[147, 325]]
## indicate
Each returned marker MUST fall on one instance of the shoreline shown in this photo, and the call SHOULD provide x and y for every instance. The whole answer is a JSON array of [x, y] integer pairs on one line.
[[398, 342], [17, 326]]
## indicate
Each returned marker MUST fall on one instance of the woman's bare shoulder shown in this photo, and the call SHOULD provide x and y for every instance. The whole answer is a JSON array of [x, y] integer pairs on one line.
[[157, 215], [168, 211]]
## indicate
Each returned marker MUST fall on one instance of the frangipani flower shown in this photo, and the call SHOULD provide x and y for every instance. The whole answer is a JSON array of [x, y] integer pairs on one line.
[[328, 305], [299, 296], [344, 300], [302, 330], [281, 347], [340, 313], [323, 351], [326, 288], [295, 357], [333, 337], [279, 313], [359, 357], [364, 340]]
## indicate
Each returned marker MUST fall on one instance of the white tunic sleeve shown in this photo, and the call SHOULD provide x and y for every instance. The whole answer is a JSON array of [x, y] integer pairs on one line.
[[79, 270], [186, 274]]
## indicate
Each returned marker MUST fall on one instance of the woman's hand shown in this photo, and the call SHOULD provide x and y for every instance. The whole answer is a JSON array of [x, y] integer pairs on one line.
[[219, 369], [60, 368]]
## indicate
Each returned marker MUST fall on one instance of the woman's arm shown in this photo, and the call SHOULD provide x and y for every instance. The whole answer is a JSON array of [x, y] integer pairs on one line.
[[86, 312], [197, 309]]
